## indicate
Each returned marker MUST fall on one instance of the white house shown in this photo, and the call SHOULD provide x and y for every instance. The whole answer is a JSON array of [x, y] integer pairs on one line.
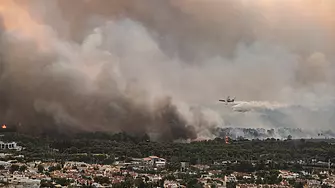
[[9, 145], [154, 161]]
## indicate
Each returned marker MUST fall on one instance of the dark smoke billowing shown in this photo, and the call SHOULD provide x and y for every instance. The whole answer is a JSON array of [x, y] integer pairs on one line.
[[148, 66]]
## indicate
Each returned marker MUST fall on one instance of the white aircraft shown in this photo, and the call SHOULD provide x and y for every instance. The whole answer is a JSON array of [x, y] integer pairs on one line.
[[228, 100]]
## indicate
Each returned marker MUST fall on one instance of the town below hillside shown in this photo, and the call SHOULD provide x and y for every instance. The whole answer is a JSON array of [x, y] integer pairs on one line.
[[120, 160]]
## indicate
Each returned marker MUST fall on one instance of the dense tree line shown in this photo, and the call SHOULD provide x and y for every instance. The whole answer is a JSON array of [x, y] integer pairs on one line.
[[85, 147]]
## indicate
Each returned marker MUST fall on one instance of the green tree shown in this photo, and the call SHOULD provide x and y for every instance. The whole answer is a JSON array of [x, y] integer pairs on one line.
[[231, 184], [139, 183], [299, 185], [14, 168], [40, 168], [23, 168], [193, 183], [325, 186], [62, 181], [102, 180], [46, 183]]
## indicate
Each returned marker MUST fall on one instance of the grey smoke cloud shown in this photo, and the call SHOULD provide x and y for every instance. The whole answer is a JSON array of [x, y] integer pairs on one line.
[[159, 67]]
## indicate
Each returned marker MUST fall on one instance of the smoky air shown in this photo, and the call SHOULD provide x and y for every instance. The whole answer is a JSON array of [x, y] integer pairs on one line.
[[160, 67]]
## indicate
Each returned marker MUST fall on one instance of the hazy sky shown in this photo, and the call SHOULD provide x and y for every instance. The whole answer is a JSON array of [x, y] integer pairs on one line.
[[146, 66]]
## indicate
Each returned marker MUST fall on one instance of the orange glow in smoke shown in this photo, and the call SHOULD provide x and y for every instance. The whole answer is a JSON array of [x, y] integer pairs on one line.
[[4, 126], [16, 18], [320, 11]]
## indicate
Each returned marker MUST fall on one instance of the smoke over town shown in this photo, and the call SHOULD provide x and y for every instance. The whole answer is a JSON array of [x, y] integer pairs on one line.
[[159, 67]]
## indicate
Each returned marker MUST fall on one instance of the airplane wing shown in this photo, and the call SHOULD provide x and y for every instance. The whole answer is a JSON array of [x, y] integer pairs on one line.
[[221, 100]]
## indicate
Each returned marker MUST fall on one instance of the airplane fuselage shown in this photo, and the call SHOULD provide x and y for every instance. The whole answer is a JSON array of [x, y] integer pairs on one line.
[[227, 101]]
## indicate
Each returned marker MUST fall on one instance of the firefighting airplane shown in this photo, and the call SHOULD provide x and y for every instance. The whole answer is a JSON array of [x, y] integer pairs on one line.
[[236, 105], [228, 100]]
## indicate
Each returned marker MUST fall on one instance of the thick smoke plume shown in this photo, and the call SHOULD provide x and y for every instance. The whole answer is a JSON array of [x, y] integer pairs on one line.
[[158, 67]]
